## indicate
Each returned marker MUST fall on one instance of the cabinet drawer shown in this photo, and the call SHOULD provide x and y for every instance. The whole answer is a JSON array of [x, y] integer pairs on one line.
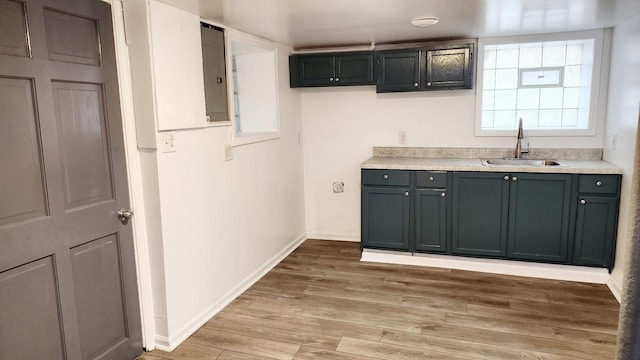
[[386, 177], [598, 184], [431, 179]]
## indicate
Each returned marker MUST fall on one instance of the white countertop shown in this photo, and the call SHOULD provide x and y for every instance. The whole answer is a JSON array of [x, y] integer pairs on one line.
[[453, 164]]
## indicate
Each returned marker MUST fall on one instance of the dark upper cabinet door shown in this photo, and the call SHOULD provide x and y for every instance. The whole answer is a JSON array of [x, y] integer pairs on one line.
[[312, 70], [398, 70], [595, 230], [449, 68], [431, 220], [539, 209], [479, 216], [385, 218], [354, 69]]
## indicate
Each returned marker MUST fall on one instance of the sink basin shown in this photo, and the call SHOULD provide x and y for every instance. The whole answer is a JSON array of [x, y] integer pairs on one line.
[[519, 162]]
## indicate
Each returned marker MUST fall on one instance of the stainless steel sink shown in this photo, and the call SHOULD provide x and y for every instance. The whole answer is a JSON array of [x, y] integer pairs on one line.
[[519, 162]]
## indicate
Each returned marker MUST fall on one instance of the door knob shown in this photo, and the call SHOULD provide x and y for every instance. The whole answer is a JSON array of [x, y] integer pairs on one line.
[[124, 216]]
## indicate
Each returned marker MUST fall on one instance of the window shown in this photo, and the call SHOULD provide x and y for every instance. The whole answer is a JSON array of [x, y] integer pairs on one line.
[[254, 90], [550, 81]]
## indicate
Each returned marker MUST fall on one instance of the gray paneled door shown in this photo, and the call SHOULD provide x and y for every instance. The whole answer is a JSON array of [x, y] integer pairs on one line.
[[67, 272]]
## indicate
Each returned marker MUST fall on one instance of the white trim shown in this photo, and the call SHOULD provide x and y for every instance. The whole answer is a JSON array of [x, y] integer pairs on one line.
[[596, 116], [493, 266], [615, 290], [169, 344], [134, 175], [337, 236]]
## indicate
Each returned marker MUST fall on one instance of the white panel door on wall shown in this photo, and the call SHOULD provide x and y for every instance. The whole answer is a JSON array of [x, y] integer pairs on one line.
[[67, 270]]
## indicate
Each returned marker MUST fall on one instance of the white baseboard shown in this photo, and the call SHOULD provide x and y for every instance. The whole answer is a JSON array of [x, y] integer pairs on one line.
[[494, 266], [615, 290], [170, 343], [333, 236]]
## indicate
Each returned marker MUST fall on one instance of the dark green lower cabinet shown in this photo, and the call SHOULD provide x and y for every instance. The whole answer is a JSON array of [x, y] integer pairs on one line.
[[479, 213], [595, 230], [431, 220], [539, 208], [385, 217]]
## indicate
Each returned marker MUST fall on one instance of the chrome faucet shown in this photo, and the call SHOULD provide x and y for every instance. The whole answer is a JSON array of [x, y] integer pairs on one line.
[[519, 151]]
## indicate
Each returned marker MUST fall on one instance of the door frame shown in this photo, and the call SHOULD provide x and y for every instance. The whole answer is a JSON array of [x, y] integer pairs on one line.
[[134, 176]]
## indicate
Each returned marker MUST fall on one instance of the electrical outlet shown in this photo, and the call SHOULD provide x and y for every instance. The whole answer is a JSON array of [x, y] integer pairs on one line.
[[168, 142], [402, 138], [338, 187], [228, 152]]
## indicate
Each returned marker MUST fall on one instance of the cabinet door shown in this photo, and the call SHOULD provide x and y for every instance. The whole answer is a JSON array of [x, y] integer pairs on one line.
[[385, 218], [480, 203], [431, 220], [398, 70], [539, 209], [449, 68], [355, 69], [313, 70], [595, 230], [215, 79]]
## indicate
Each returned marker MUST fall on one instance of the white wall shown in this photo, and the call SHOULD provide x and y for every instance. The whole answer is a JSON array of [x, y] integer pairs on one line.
[[622, 122], [341, 125]]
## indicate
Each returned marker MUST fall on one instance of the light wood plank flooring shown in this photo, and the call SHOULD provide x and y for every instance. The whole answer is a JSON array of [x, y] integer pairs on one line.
[[321, 302]]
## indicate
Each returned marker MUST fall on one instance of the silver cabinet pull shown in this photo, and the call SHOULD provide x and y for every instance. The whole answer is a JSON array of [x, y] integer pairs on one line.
[[506, 178], [406, 194], [598, 183], [514, 179], [124, 215], [385, 176], [330, 79], [428, 84], [415, 84], [337, 79], [430, 178], [583, 201], [443, 194]]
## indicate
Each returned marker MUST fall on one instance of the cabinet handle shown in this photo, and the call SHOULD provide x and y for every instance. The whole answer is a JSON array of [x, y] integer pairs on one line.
[[337, 79], [598, 183], [430, 178], [385, 176], [415, 84], [443, 194], [514, 179], [506, 178], [583, 201], [406, 194], [330, 79], [428, 84]]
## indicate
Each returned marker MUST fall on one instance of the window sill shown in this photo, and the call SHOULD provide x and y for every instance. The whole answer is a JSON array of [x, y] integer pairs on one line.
[[537, 133], [251, 138]]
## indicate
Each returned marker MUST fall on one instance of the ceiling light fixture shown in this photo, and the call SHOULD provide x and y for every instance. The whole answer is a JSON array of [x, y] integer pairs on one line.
[[424, 22]]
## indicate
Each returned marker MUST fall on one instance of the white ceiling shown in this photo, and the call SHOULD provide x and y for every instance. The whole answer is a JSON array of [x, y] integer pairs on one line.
[[308, 23]]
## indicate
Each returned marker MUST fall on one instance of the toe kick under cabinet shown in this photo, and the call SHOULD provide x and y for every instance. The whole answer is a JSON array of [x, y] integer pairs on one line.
[[553, 218]]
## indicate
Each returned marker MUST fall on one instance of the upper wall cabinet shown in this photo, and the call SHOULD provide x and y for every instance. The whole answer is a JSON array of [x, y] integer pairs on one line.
[[331, 69], [177, 68], [215, 79], [441, 66]]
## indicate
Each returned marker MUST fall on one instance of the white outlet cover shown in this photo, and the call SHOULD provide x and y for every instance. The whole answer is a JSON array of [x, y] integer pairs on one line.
[[168, 142], [227, 152]]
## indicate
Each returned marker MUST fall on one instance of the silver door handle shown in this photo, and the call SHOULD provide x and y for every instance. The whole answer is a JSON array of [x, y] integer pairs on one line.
[[124, 215]]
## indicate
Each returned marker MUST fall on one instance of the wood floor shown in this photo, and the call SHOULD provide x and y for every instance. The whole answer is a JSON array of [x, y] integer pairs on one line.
[[321, 302]]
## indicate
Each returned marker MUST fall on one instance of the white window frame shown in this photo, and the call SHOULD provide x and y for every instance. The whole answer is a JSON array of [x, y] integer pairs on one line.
[[596, 115], [238, 139]]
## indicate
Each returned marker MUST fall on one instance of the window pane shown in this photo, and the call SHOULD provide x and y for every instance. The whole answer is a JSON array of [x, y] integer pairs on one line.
[[551, 98], [507, 58], [488, 97], [528, 98], [490, 59], [550, 118], [489, 79], [531, 57], [574, 54], [529, 118], [569, 117], [553, 56], [572, 75], [507, 79], [504, 119], [487, 119], [570, 98], [505, 99]]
